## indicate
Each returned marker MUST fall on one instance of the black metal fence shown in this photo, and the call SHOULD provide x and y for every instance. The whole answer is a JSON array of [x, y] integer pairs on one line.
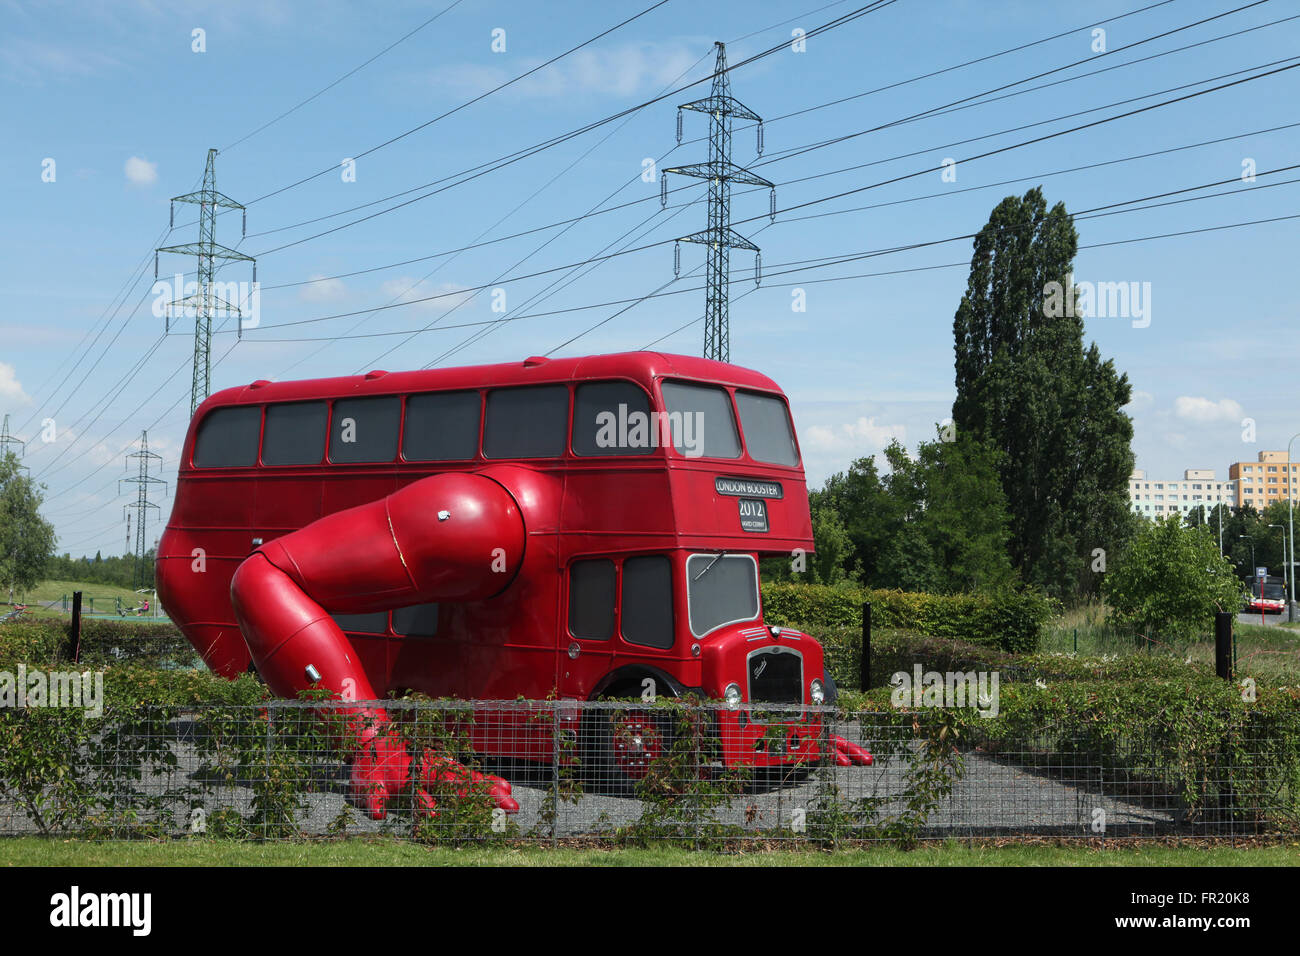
[[619, 771]]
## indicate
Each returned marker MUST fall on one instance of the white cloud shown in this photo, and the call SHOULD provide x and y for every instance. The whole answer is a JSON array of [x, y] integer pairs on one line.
[[321, 289], [852, 436], [1204, 411], [11, 390], [141, 172], [1141, 399], [624, 70]]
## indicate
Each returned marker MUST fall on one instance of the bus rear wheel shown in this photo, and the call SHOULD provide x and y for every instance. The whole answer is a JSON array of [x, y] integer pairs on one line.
[[623, 746]]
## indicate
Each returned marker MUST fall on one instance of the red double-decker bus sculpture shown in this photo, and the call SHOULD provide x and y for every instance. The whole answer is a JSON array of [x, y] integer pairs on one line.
[[578, 528]]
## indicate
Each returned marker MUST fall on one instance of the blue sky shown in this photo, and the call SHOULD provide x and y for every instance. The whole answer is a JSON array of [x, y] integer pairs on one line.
[[116, 96]]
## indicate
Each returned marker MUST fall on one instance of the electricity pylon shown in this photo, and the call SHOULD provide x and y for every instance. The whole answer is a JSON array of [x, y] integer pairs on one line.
[[6, 440], [205, 299], [142, 482], [720, 172]]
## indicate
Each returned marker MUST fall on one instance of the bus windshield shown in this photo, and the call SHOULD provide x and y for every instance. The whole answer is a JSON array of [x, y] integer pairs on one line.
[[721, 589]]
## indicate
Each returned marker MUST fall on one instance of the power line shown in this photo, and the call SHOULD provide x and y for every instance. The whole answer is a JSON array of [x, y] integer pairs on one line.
[[494, 166], [914, 79], [293, 109], [427, 123], [821, 262]]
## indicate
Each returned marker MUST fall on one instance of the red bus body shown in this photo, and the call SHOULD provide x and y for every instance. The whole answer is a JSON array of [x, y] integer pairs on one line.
[[525, 640]]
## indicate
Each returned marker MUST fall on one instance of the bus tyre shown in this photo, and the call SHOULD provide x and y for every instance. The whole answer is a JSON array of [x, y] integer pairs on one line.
[[623, 745]]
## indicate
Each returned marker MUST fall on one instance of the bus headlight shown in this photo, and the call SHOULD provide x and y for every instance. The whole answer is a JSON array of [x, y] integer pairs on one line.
[[817, 692], [732, 696]]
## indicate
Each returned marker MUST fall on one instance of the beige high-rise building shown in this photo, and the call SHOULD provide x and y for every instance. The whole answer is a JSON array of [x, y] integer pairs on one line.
[[1260, 483]]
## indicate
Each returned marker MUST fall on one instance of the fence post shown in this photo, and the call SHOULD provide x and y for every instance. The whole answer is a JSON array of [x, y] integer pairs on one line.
[[866, 646], [74, 632], [556, 757], [1223, 644]]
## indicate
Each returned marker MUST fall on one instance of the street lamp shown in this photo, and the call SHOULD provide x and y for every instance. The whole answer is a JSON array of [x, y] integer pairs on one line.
[[1290, 520], [1252, 552]]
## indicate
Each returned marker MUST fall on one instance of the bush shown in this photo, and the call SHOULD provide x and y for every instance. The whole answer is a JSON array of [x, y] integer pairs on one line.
[[894, 650], [1010, 621], [45, 641]]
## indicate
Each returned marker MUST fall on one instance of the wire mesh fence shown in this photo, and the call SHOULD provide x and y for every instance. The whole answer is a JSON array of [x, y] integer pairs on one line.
[[631, 772]]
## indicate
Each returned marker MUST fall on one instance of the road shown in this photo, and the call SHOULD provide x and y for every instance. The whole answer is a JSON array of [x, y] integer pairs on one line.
[[1269, 620]]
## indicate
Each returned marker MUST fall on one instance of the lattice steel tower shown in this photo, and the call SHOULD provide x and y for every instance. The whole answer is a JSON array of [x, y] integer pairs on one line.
[[6, 440], [205, 300], [720, 172], [142, 482]]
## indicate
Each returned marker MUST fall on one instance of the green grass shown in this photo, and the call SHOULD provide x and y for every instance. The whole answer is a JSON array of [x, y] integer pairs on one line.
[[104, 596], [1266, 652], [54, 590], [35, 851]]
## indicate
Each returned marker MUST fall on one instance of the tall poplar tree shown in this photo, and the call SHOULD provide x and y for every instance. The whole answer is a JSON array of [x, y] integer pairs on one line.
[[1028, 387]]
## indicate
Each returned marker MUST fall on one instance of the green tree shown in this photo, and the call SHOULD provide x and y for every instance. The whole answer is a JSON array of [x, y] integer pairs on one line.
[[866, 511], [1050, 408], [951, 493], [26, 539], [1170, 581], [835, 560]]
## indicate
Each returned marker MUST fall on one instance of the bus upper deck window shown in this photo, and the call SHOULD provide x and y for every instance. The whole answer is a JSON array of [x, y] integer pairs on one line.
[[528, 422], [365, 429], [227, 438], [612, 418], [766, 423], [591, 599], [295, 434], [701, 419], [441, 426], [647, 612]]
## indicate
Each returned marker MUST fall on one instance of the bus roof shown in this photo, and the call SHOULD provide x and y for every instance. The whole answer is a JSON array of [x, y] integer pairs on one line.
[[638, 366]]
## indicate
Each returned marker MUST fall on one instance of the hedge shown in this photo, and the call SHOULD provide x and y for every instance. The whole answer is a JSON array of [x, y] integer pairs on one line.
[[1010, 621], [46, 641]]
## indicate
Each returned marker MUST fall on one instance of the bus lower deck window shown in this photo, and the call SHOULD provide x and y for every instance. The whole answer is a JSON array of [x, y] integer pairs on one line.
[[376, 623], [647, 611], [417, 620], [591, 599]]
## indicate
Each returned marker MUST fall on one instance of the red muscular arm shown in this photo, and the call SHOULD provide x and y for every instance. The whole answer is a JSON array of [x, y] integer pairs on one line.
[[442, 538]]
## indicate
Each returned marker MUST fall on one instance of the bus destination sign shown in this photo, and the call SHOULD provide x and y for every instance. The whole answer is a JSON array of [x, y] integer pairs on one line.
[[748, 488]]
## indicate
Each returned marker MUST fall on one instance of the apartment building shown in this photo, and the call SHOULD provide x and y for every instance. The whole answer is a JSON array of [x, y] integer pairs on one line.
[[1156, 498], [1260, 483]]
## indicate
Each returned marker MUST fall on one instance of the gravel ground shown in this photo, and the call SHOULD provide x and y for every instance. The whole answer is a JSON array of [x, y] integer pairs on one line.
[[995, 795]]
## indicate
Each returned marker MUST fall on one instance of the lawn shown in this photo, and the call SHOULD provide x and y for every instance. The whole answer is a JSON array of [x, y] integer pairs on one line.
[[35, 851], [104, 596], [1267, 652]]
